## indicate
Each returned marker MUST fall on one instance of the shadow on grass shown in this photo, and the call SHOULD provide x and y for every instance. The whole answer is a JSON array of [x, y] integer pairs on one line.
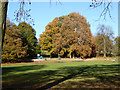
[[63, 79], [7, 70], [105, 76], [27, 81]]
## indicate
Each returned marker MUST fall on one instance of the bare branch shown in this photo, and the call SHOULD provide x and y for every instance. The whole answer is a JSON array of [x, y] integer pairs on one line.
[[97, 3], [59, 2], [22, 13], [56, 2]]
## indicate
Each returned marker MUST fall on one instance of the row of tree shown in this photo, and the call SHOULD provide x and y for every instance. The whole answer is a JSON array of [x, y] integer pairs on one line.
[[19, 42], [70, 36], [66, 36]]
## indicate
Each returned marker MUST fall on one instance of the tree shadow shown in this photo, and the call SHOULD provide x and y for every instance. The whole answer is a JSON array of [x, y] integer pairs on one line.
[[62, 79], [28, 80], [7, 70], [105, 76], [100, 73]]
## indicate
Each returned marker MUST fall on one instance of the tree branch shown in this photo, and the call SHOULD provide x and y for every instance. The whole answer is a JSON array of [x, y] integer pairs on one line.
[[97, 3]]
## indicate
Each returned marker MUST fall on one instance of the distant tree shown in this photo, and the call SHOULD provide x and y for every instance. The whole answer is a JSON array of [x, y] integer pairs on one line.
[[68, 35], [28, 38], [116, 49], [13, 49], [104, 39]]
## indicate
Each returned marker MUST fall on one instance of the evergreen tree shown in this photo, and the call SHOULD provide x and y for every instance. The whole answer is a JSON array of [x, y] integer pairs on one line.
[[28, 38]]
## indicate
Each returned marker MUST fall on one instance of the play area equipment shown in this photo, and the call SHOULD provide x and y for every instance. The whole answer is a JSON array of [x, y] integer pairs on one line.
[[39, 59], [38, 56]]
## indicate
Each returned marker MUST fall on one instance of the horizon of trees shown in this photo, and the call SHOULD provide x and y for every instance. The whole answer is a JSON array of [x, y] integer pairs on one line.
[[66, 36], [24, 14], [3, 12], [66, 31]]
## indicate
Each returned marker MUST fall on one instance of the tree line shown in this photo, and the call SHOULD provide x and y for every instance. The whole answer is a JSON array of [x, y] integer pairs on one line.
[[66, 36], [70, 36]]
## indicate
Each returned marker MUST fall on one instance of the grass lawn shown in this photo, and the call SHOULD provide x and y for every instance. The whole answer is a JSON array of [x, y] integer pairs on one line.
[[51, 74]]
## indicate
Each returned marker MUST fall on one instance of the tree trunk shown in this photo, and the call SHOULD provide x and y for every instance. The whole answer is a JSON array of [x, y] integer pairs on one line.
[[3, 13], [104, 48], [70, 55], [73, 56]]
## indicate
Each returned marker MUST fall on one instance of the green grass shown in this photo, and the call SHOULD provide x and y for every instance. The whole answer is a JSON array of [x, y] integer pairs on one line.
[[90, 74]]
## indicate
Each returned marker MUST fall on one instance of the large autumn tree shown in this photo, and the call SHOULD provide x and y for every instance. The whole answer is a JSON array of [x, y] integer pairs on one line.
[[28, 36], [46, 39], [12, 46], [68, 36]]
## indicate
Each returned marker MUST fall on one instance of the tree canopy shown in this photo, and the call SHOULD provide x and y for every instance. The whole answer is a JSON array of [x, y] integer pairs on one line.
[[28, 38], [19, 42], [12, 46], [68, 36]]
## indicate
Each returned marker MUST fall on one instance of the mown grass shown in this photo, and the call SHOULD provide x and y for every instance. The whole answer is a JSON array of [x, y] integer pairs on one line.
[[86, 74]]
